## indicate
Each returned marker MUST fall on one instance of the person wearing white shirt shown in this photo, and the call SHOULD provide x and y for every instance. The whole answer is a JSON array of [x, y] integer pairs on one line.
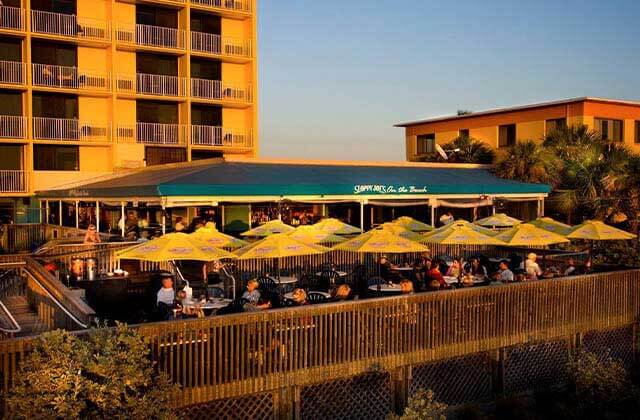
[[531, 266], [166, 294]]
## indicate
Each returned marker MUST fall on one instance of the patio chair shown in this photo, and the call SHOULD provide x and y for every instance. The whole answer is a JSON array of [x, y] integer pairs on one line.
[[315, 297], [267, 284], [330, 277]]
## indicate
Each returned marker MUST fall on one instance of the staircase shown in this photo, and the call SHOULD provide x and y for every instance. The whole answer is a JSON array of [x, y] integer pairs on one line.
[[25, 317], [17, 318]]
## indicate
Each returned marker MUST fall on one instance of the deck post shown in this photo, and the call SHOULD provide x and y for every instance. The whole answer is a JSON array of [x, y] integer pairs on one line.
[[497, 360], [122, 217], [286, 403], [77, 214], [60, 212], [97, 216], [46, 211], [400, 380], [361, 216]]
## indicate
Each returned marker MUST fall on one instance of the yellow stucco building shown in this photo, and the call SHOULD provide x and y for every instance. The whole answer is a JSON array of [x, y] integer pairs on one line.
[[617, 120], [89, 87]]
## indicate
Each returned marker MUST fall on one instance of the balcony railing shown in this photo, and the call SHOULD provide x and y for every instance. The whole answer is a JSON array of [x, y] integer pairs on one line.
[[12, 18], [152, 84], [68, 77], [12, 72], [69, 25], [219, 45], [151, 133], [69, 129], [13, 127], [206, 135], [243, 6], [217, 90], [14, 181], [151, 36]]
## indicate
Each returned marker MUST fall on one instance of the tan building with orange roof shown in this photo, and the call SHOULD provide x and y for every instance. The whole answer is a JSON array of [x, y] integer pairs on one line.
[[617, 120]]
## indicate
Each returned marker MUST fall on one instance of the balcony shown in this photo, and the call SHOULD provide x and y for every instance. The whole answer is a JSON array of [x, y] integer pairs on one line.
[[151, 36], [152, 133], [206, 135], [152, 84], [69, 26], [70, 129], [13, 127], [14, 181], [222, 46], [217, 90], [64, 77], [12, 18], [12, 73], [240, 6]]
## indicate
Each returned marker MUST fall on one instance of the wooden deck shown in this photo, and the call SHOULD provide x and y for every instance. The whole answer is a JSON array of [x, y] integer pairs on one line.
[[27, 319]]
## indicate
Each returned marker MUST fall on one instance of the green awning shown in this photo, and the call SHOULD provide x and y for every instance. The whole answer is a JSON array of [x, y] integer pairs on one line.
[[229, 179]]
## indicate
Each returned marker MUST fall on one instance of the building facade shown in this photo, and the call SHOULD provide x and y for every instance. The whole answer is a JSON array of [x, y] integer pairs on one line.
[[90, 87], [617, 120]]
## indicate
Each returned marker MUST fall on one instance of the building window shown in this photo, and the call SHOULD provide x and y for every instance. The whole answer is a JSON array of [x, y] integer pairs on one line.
[[610, 129], [426, 143], [205, 154], [55, 158], [464, 133], [161, 155], [554, 125], [507, 135], [637, 138]]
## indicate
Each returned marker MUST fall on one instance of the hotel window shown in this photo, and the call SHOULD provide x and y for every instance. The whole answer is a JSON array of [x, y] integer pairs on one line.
[[426, 143], [160, 155], [507, 135], [555, 124], [610, 129], [637, 138], [463, 133], [55, 158]]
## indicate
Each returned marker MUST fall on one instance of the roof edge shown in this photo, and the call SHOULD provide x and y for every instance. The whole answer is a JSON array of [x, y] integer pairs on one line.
[[317, 162]]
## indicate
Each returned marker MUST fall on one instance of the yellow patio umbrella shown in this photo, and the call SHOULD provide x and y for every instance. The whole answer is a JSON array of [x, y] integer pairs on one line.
[[526, 234], [595, 230], [380, 241], [401, 231], [309, 234], [214, 237], [459, 222], [269, 228], [461, 233], [412, 224], [278, 246], [174, 247], [500, 220], [547, 223], [337, 227]]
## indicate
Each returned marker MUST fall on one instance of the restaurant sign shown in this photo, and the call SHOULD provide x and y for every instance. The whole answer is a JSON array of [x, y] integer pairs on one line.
[[388, 189]]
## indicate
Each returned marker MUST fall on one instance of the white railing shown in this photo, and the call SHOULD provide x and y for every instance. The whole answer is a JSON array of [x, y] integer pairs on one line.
[[11, 18], [151, 133], [152, 84], [207, 135], [69, 25], [68, 77], [14, 181], [243, 6], [150, 36], [217, 90], [12, 72], [69, 129], [13, 127], [221, 45]]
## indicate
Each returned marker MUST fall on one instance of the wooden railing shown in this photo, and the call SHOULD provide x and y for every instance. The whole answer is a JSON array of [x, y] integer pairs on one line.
[[23, 237]]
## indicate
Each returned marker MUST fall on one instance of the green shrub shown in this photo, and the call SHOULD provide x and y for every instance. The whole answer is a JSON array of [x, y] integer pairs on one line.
[[422, 406], [106, 375]]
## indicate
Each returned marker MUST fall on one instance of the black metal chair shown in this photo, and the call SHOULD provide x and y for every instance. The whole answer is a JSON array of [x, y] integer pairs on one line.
[[330, 277], [267, 284], [316, 297]]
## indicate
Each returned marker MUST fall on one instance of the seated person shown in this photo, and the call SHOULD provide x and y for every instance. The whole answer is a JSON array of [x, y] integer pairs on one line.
[[166, 294], [571, 268], [418, 269], [262, 304], [504, 274], [179, 226], [406, 287], [92, 236], [252, 295], [178, 303], [300, 297], [434, 275], [211, 272], [342, 292], [385, 269], [475, 268], [531, 267], [455, 270]]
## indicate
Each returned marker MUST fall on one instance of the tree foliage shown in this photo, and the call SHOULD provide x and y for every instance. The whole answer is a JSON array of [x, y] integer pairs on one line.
[[107, 374], [422, 406], [467, 150]]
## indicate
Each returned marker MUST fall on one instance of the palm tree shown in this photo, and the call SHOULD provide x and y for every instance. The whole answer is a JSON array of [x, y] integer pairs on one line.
[[529, 162], [469, 150], [565, 140]]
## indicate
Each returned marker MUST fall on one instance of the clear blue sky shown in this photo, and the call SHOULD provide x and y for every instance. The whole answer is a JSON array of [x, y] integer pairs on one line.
[[336, 75]]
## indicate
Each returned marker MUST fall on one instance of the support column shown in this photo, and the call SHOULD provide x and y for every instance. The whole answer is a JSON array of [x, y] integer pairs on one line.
[[164, 220], [361, 216], [123, 218], [60, 212], [46, 211], [97, 216], [400, 380], [433, 215], [222, 218], [324, 210], [539, 209], [77, 214]]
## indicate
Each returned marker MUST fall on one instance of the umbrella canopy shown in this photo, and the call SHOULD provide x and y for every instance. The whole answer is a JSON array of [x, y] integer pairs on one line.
[[401, 231], [278, 245], [596, 230], [461, 233], [551, 225], [526, 234], [173, 247], [269, 228], [337, 227], [412, 224], [213, 237], [473, 226], [380, 241], [498, 220], [311, 235]]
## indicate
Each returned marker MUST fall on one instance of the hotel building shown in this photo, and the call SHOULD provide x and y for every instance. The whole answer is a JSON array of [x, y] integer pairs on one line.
[[617, 120], [92, 87]]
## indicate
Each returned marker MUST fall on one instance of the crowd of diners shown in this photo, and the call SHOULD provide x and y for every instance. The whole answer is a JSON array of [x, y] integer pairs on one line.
[[423, 274]]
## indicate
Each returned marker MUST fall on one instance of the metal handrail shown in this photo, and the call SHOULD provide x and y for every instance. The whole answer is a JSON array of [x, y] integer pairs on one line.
[[17, 328]]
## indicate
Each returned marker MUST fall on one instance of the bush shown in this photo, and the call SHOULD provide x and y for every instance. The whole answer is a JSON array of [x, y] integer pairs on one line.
[[422, 406], [106, 375]]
